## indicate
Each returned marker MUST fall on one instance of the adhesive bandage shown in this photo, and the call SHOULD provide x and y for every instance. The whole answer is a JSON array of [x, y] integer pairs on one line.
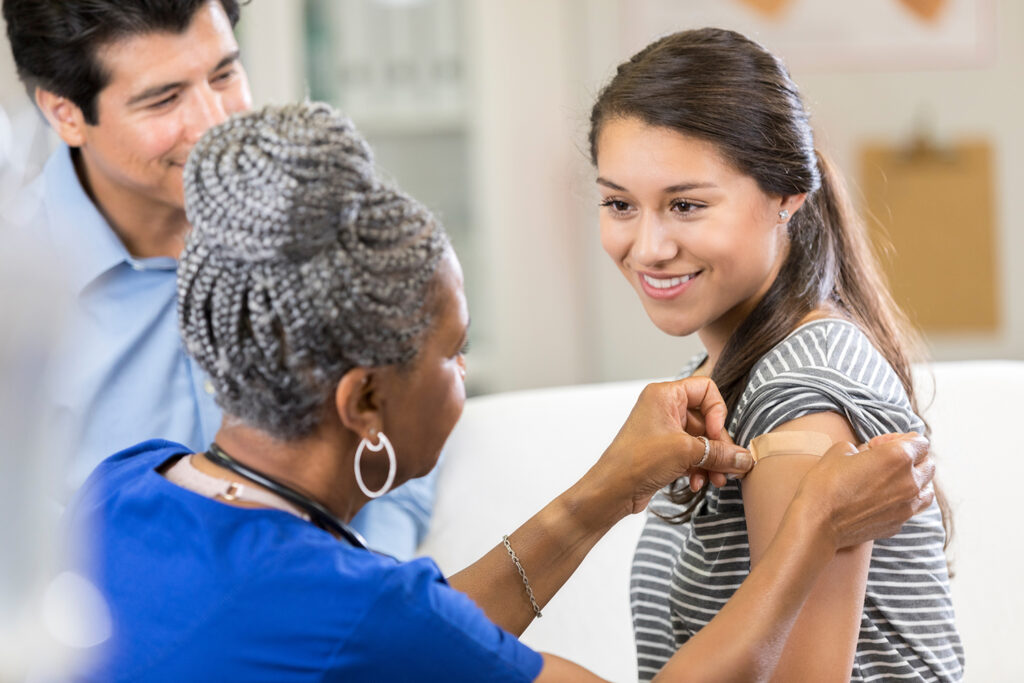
[[789, 443]]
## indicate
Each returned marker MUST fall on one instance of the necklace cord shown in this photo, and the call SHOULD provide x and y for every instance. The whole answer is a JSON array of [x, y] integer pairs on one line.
[[319, 514]]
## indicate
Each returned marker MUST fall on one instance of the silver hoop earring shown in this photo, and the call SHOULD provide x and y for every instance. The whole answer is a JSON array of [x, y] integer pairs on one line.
[[382, 443], [784, 214]]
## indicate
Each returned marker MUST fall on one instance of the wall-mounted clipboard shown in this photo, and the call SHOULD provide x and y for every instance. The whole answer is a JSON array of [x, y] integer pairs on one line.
[[935, 207]]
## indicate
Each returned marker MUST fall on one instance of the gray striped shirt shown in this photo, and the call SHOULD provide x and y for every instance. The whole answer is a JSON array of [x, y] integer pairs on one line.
[[683, 574]]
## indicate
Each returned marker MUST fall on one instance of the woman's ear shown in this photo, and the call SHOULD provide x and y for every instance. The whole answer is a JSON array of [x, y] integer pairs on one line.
[[64, 117], [357, 398], [791, 204]]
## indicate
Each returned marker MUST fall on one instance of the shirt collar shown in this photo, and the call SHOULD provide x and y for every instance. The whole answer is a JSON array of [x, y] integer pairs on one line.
[[77, 228]]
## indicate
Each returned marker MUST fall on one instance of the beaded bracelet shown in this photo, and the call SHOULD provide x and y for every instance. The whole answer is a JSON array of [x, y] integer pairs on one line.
[[522, 573]]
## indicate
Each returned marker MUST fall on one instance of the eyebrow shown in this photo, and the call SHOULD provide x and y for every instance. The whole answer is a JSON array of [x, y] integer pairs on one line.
[[671, 189], [157, 90]]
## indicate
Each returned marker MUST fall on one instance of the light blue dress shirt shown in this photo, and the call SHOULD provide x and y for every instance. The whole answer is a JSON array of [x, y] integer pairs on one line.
[[122, 374]]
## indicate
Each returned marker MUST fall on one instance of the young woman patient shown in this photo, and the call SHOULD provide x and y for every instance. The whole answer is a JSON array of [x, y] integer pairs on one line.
[[717, 208]]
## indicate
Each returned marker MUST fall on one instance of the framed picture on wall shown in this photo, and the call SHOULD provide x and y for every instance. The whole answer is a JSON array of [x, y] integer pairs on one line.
[[828, 35]]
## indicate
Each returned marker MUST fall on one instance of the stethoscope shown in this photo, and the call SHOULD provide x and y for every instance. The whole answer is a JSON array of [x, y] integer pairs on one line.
[[318, 514]]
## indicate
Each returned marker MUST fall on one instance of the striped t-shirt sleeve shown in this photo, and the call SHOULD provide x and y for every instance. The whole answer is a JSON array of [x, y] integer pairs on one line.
[[828, 367]]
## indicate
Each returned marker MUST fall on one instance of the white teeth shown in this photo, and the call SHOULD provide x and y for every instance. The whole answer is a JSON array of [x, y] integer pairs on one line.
[[666, 283]]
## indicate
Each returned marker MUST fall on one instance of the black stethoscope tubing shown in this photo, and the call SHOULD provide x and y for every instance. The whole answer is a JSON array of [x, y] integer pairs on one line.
[[318, 514]]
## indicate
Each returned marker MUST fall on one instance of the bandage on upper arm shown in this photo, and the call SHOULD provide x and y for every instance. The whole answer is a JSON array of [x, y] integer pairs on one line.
[[789, 443]]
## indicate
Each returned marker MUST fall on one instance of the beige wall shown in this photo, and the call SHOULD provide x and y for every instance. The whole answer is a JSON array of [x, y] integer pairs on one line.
[[983, 102]]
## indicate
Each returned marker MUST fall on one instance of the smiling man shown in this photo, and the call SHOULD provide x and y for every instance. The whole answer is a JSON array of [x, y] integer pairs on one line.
[[129, 86]]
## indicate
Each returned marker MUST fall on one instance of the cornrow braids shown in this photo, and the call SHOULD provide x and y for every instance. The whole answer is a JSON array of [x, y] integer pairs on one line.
[[302, 264]]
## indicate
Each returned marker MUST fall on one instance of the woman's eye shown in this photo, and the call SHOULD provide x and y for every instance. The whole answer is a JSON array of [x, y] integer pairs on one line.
[[463, 350], [683, 206], [616, 205]]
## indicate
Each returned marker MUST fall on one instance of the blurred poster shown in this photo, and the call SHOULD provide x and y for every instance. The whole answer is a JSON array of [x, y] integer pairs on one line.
[[825, 35]]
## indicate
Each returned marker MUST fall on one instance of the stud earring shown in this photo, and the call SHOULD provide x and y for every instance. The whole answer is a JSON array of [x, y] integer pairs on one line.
[[784, 214]]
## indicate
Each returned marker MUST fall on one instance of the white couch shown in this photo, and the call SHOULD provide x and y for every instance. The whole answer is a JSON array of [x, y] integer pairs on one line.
[[512, 453]]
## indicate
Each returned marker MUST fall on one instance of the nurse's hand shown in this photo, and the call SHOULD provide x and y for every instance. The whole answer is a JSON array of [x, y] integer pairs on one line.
[[655, 447], [870, 493]]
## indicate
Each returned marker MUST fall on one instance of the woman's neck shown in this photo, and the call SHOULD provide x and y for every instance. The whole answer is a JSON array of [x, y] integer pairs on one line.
[[312, 466], [714, 337]]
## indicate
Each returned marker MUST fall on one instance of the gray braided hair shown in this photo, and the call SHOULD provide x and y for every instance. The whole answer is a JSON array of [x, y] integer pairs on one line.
[[302, 264]]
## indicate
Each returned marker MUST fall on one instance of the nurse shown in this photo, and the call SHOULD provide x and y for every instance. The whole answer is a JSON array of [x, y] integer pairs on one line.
[[327, 308]]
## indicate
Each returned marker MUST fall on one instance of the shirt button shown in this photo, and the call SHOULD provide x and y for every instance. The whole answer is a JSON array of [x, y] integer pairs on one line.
[[208, 386]]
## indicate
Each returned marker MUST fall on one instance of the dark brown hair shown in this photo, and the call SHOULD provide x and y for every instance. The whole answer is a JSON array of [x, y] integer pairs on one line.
[[55, 42], [719, 86]]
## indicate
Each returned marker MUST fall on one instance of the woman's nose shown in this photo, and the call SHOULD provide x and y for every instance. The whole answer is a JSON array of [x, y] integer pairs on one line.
[[654, 242]]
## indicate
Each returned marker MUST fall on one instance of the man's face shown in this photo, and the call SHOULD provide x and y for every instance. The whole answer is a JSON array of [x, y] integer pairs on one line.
[[165, 91]]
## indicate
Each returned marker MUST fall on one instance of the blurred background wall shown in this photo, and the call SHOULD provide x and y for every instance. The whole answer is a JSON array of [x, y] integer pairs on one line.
[[480, 108]]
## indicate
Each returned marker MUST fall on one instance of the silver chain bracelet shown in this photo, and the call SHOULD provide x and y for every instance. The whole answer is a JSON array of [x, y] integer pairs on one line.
[[522, 573]]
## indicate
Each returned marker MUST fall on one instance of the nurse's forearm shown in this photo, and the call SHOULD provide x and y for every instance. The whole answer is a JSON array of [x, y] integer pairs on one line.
[[745, 639], [550, 546], [650, 451]]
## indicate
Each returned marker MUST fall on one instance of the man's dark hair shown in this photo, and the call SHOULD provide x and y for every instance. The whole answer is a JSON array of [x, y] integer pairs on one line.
[[56, 42]]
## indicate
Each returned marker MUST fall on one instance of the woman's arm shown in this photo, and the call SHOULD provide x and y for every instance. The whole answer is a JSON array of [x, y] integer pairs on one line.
[[841, 502], [745, 639], [823, 640], [650, 451]]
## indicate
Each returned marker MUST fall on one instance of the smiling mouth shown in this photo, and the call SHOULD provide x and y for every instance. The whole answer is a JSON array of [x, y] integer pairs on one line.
[[667, 282]]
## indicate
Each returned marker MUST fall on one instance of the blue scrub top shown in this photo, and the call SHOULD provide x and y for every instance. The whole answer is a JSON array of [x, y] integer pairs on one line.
[[201, 590]]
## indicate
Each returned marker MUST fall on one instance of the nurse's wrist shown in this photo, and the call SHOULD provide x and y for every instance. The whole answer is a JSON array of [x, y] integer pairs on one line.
[[597, 502], [812, 521]]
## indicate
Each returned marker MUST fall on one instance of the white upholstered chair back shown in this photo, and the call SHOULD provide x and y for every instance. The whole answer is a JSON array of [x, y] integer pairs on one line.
[[512, 453]]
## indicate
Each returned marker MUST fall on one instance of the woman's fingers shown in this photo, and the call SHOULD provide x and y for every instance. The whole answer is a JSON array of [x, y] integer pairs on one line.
[[844, 448], [699, 477], [872, 493], [885, 438], [717, 479], [702, 395], [723, 457], [652, 449], [705, 414], [695, 422]]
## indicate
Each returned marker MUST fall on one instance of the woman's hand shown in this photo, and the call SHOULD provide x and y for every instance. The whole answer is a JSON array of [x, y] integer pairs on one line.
[[655, 447], [698, 476], [870, 493]]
